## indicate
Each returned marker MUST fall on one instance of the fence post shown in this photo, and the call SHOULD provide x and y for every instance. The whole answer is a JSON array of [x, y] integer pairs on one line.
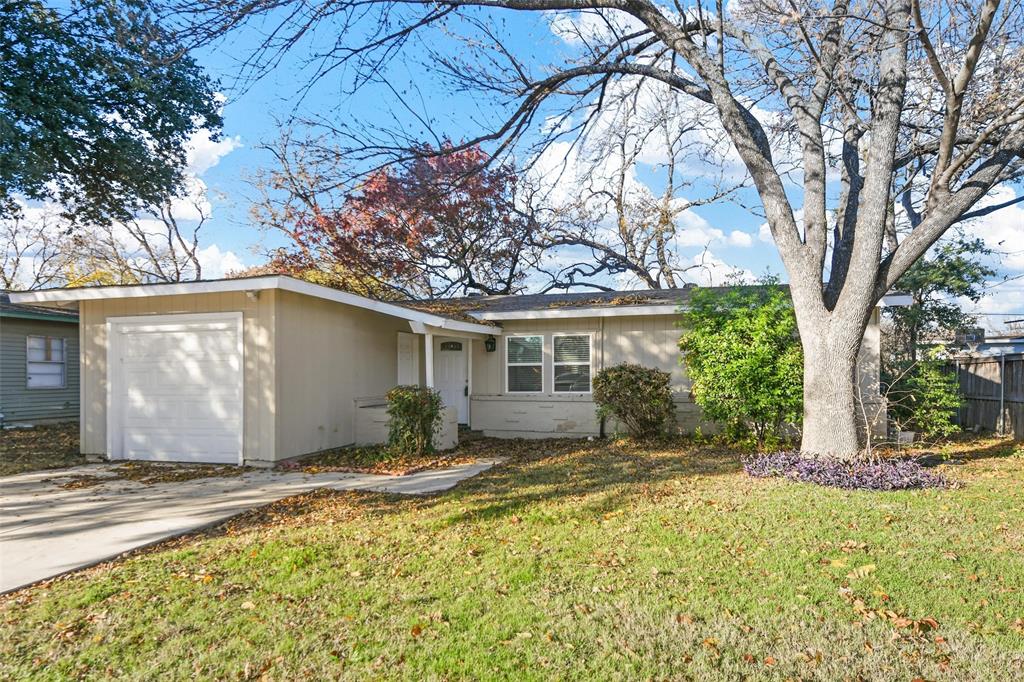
[[1002, 394], [960, 392]]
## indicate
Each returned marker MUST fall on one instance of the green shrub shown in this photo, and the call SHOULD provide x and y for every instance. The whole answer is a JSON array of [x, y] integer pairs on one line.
[[415, 413], [638, 397], [743, 356], [925, 398]]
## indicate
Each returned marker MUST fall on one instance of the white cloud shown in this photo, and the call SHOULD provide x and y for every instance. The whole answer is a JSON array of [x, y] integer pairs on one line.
[[576, 28], [203, 152], [217, 263], [740, 238], [1003, 230], [1004, 302], [707, 269]]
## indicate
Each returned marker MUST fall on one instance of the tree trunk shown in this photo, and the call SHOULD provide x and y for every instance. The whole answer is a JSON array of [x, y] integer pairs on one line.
[[830, 393]]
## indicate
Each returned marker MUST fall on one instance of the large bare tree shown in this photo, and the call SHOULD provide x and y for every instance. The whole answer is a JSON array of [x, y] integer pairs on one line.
[[40, 248], [916, 102], [621, 230]]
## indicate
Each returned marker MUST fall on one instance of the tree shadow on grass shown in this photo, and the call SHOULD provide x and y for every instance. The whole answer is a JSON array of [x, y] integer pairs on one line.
[[555, 476], [593, 476], [586, 477], [965, 450]]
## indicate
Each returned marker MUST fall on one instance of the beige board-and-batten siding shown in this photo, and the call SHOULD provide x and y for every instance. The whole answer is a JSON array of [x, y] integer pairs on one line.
[[329, 356], [648, 340], [258, 332], [306, 362]]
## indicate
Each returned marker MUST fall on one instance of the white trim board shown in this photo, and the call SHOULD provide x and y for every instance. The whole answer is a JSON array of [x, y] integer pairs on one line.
[[248, 284]]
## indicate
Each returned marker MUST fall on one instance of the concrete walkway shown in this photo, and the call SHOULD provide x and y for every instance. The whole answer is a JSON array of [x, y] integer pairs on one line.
[[46, 530]]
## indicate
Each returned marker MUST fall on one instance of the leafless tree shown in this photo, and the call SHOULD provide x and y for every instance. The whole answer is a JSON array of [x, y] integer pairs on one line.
[[34, 252], [157, 248], [41, 250], [918, 102], [616, 225]]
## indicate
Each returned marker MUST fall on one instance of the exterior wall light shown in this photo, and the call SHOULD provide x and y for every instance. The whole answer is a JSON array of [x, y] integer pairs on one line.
[[490, 344]]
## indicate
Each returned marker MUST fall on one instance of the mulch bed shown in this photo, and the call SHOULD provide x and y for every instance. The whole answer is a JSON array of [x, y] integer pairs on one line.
[[374, 460], [50, 446]]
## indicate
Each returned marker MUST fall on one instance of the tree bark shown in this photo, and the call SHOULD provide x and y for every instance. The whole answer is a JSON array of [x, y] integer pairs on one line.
[[831, 425]]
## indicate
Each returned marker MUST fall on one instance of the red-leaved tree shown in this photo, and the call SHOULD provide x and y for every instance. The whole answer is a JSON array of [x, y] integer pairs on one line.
[[441, 225]]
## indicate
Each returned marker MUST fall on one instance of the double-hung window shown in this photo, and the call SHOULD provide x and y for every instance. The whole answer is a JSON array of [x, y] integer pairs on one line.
[[46, 362], [524, 364], [571, 355]]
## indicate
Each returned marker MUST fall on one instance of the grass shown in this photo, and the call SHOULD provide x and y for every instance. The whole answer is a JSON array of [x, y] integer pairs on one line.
[[575, 560], [52, 446]]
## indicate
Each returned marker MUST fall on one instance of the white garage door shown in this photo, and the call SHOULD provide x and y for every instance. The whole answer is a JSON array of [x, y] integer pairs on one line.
[[176, 388]]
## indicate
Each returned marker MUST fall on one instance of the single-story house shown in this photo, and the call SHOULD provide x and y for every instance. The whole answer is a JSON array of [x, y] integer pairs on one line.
[[256, 370], [38, 363]]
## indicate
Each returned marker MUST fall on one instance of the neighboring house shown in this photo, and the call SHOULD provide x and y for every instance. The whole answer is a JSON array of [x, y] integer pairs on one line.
[[265, 368], [994, 345], [38, 363]]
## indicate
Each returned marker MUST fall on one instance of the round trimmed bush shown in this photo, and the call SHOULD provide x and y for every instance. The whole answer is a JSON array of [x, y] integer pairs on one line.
[[415, 414], [637, 397]]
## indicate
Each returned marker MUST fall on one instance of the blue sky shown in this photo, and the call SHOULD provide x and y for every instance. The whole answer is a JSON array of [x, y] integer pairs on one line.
[[251, 117]]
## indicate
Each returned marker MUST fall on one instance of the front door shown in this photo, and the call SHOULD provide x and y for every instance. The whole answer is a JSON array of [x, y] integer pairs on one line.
[[450, 374]]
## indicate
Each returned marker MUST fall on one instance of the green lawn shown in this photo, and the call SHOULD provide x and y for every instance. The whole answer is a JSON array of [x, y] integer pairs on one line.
[[573, 561]]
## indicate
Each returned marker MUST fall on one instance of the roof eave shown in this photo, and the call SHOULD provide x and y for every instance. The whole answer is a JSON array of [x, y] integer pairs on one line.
[[41, 316], [265, 282], [563, 312]]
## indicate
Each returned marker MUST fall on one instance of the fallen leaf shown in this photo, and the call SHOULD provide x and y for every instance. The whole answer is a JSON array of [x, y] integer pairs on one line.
[[248, 606], [861, 572], [416, 630]]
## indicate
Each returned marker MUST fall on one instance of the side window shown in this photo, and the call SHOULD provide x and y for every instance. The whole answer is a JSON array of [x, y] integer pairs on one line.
[[571, 353], [524, 364], [46, 361]]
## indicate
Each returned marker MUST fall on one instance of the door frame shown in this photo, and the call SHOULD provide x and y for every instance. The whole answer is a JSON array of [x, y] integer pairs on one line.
[[114, 329]]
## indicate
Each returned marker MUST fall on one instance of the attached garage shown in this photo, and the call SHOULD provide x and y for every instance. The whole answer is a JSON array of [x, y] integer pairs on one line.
[[249, 370], [176, 388]]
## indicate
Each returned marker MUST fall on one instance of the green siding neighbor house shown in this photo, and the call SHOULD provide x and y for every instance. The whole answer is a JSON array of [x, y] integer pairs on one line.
[[38, 364]]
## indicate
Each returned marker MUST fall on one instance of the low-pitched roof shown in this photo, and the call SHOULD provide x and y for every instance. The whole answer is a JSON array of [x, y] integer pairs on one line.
[[574, 304], [34, 312], [585, 303], [256, 283]]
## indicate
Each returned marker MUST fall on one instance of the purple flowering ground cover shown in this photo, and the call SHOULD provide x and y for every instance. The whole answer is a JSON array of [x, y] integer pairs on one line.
[[894, 473]]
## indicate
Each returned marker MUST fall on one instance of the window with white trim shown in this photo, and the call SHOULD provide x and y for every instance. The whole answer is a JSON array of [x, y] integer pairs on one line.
[[524, 364], [46, 362], [571, 354]]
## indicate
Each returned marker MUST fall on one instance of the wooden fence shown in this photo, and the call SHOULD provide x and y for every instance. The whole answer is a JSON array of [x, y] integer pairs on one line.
[[993, 393]]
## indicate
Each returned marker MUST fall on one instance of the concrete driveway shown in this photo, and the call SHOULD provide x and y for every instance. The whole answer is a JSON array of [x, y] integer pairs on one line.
[[47, 530]]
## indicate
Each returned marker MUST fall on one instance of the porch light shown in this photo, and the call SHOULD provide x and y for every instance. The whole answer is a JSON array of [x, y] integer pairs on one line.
[[490, 344]]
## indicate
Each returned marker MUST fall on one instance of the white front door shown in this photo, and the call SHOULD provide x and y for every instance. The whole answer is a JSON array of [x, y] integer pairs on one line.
[[175, 385], [450, 375]]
